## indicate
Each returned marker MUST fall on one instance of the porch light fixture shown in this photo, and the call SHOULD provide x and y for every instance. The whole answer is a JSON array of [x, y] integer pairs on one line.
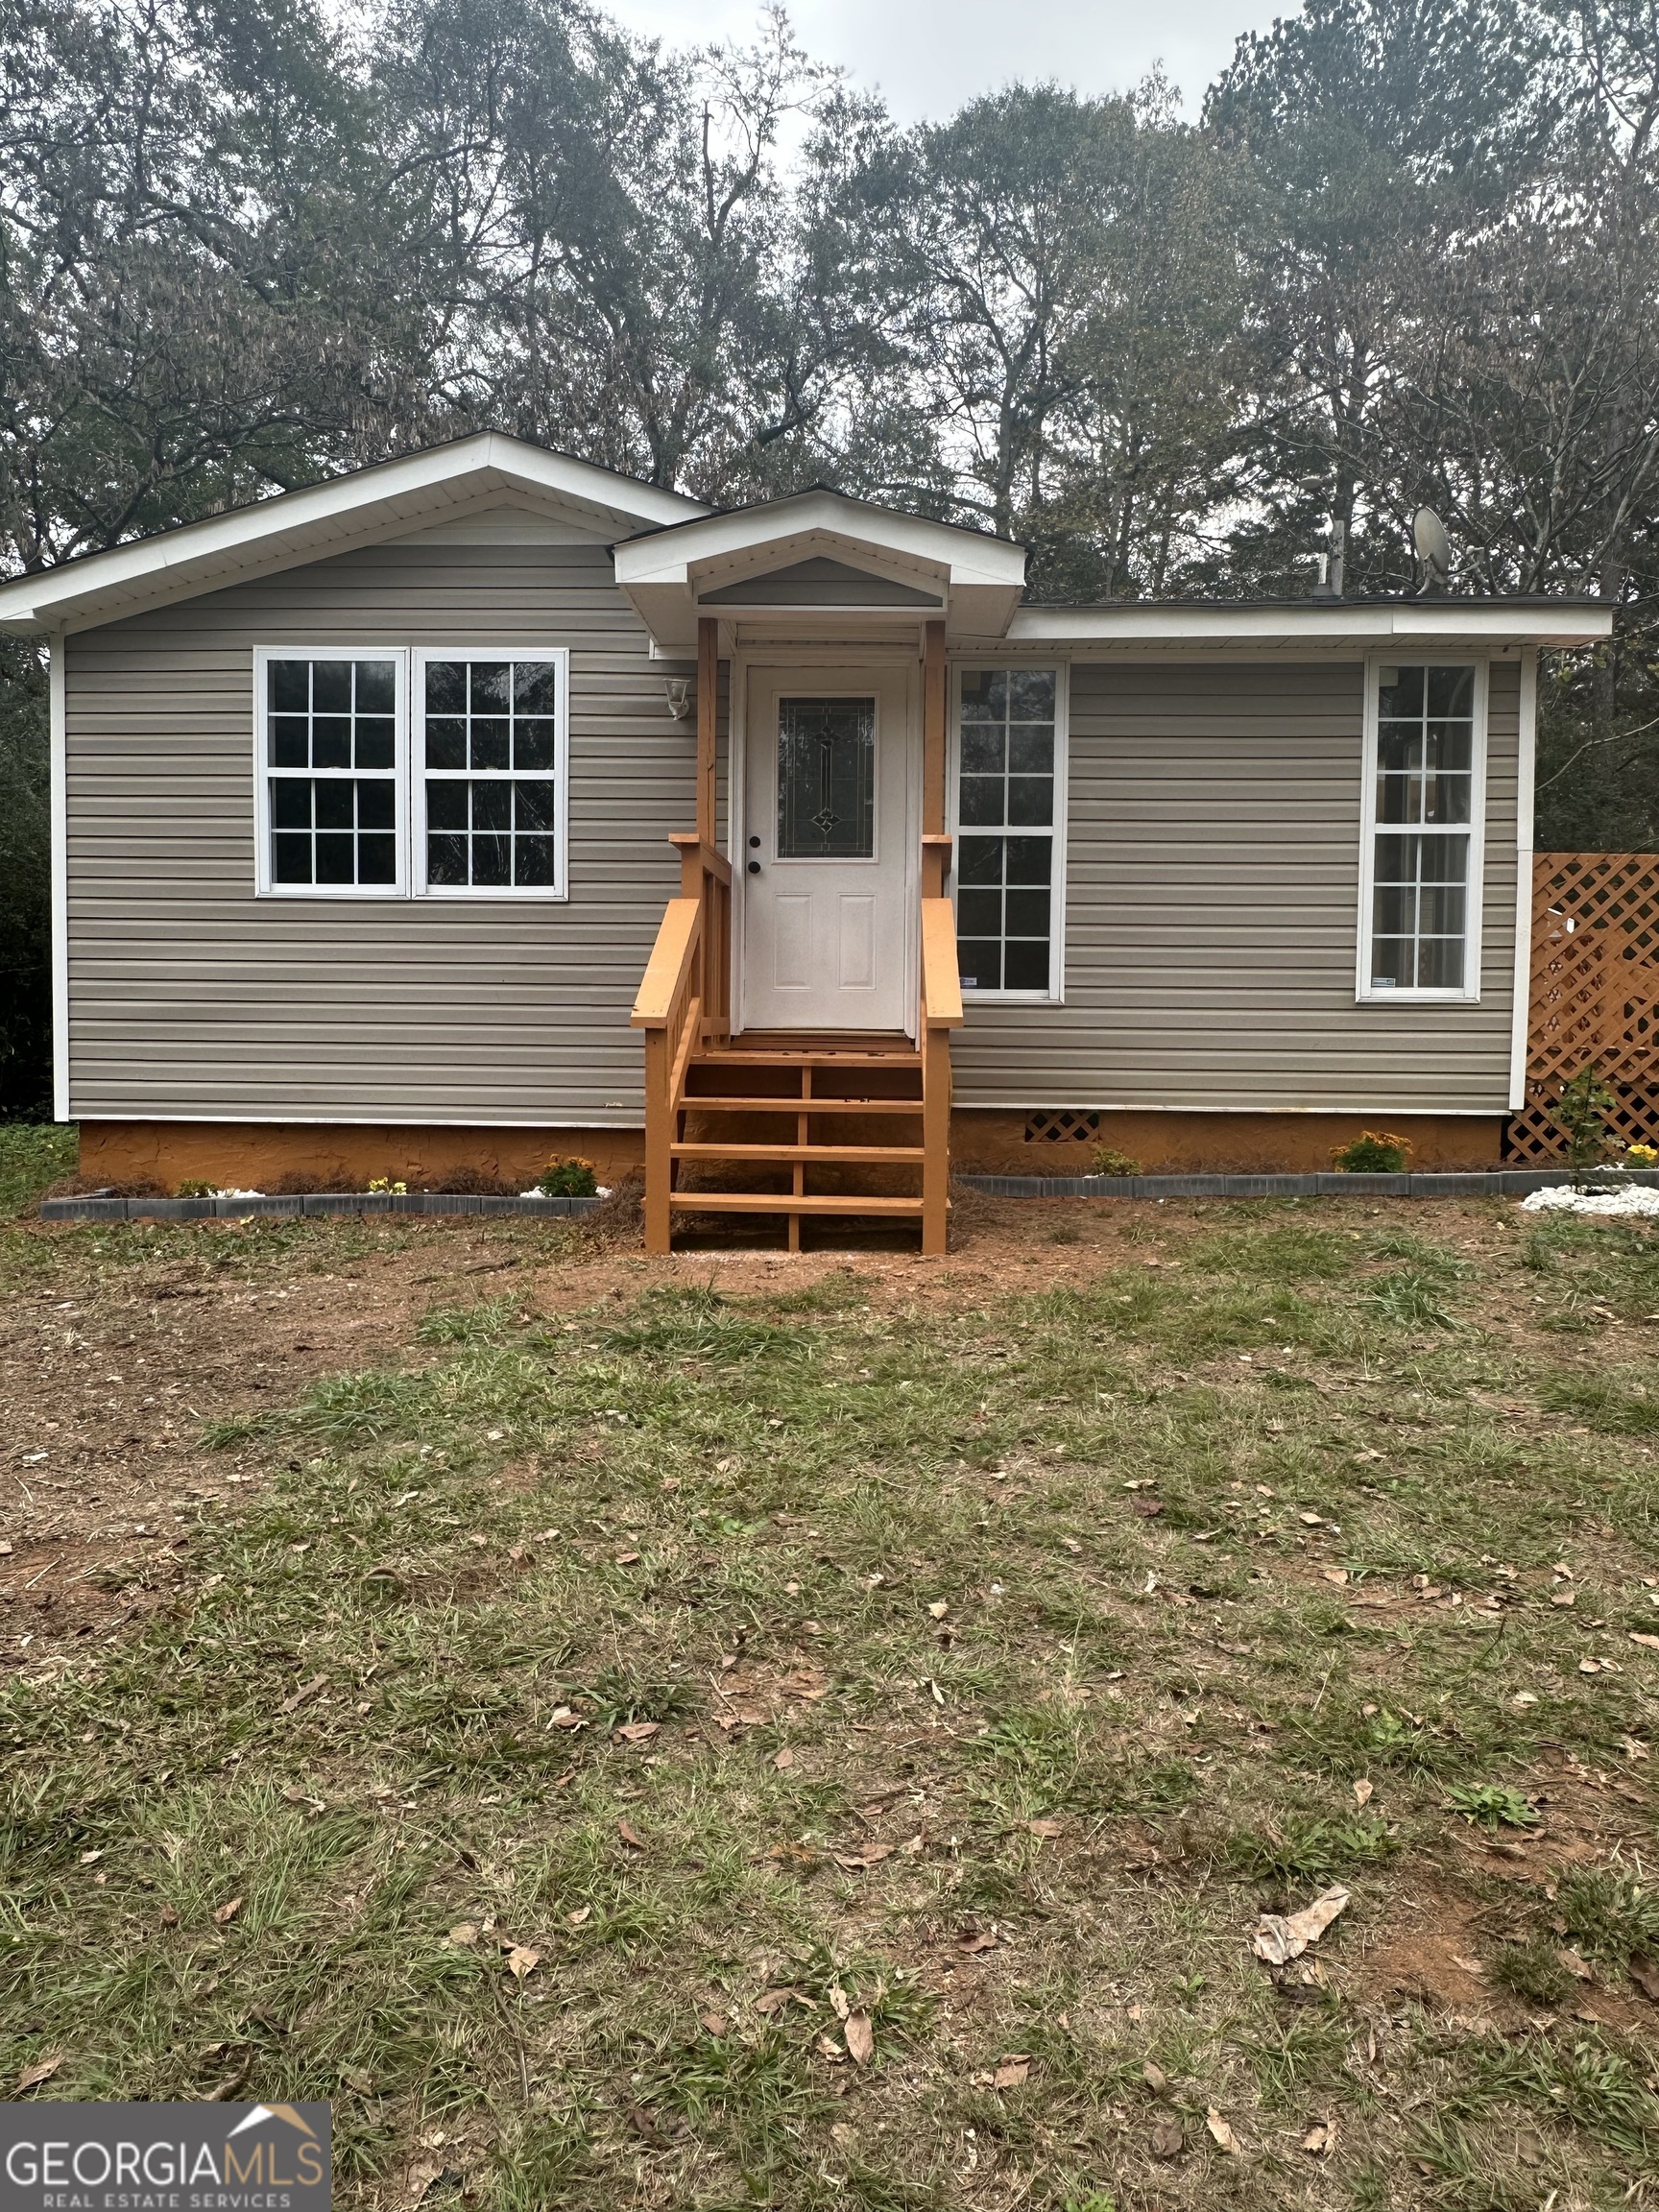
[[679, 691]]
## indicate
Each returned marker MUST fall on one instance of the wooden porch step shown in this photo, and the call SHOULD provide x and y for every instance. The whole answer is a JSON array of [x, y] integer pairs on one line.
[[905, 1155], [807, 1056], [692, 1102], [781, 1202]]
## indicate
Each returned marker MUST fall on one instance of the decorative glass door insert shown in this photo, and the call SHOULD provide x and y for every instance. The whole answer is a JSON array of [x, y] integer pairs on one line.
[[825, 778]]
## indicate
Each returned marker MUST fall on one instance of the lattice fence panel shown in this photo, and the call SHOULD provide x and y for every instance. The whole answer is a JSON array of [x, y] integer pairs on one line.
[[1595, 994]]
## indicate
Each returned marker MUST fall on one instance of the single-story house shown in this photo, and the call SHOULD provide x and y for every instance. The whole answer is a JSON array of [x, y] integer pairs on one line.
[[485, 804]]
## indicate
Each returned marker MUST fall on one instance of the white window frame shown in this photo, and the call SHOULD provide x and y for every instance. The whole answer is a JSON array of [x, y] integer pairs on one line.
[[1055, 994], [264, 886], [408, 775], [559, 888], [1468, 993]]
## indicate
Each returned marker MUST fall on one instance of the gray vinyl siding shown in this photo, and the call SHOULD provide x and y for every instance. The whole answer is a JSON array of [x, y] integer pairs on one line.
[[190, 999], [1213, 908]]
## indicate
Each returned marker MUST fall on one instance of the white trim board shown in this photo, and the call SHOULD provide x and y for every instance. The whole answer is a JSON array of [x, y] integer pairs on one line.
[[1525, 798], [59, 834]]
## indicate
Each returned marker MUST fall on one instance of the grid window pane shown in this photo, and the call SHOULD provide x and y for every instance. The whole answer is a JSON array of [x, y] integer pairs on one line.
[[491, 753], [1424, 796], [1420, 912], [1006, 785], [331, 752], [335, 829]]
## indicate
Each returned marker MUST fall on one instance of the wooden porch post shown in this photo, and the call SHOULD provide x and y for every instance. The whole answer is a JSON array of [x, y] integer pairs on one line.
[[708, 708], [935, 1041], [933, 758]]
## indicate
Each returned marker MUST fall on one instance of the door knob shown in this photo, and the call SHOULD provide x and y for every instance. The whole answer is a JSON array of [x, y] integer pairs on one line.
[[754, 867]]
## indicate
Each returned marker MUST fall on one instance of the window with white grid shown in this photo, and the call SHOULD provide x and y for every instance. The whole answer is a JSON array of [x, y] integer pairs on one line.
[[490, 751], [1008, 825], [329, 780], [1421, 863]]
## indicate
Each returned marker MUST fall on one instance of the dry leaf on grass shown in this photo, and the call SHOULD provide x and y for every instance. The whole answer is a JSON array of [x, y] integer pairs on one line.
[[42, 2070], [804, 1682], [422, 2178], [717, 2023], [773, 2001], [1155, 2077], [1319, 2138], [522, 1961], [1650, 1643], [973, 1945], [464, 1935], [855, 1862], [1363, 1791], [939, 1608], [1282, 1937], [228, 1912], [1012, 2069], [860, 2039], [1225, 2139], [634, 1843], [580, 1917], [1577, 1967], [306, 1690], [1644, 1973], [1148, 1508], [1165, 2139], [1044, 1829], [784, 1760], [1336, 1574], [840, 2003], [639, 1731]]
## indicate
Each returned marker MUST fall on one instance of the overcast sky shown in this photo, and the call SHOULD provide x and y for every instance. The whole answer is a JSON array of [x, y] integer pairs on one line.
[[929, 56]]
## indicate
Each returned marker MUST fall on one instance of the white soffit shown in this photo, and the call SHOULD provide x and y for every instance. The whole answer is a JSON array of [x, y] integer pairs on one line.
[[978, 579], [392, 499], [1460, 625]]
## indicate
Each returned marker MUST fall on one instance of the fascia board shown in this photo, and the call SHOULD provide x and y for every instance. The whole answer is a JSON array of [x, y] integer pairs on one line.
[[322, 519], [968, 558], [1353, 627]]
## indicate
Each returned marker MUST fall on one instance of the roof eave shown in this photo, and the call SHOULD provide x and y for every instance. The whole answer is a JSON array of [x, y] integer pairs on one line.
[[321, 519]]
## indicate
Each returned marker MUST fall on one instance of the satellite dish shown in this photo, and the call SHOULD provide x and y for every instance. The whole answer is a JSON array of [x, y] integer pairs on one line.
[[1434, 546]]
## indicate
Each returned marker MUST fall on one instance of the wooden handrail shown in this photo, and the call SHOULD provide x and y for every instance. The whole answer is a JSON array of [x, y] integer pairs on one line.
[[678, 939], [691, 848], [941, 971]]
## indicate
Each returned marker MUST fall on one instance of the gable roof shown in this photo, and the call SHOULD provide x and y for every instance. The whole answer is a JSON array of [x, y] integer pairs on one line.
[[332, 517], [739, 556]]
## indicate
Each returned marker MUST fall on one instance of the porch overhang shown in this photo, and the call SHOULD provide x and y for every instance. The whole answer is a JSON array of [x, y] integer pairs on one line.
[[819, 563]]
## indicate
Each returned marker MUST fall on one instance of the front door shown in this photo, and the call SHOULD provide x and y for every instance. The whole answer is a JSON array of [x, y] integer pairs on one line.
[[828, 861]]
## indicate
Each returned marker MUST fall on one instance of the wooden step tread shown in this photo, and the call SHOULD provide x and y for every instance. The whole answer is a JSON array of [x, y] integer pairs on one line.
[[780, 1202], [693, 1102], [809, 1056], [905, 1155]]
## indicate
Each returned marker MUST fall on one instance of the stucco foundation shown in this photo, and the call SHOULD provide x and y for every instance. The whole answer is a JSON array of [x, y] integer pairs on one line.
[[262, 1156], [994, 1143], [259, 1156]]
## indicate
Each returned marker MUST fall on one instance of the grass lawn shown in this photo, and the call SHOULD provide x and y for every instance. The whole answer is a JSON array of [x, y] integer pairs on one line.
[[748, 1732]]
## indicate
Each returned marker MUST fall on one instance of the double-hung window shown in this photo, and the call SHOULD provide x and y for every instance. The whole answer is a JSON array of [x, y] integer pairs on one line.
[[1009, 829], [399, 774], [490, 753], [1419, 927], [330, 774]]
